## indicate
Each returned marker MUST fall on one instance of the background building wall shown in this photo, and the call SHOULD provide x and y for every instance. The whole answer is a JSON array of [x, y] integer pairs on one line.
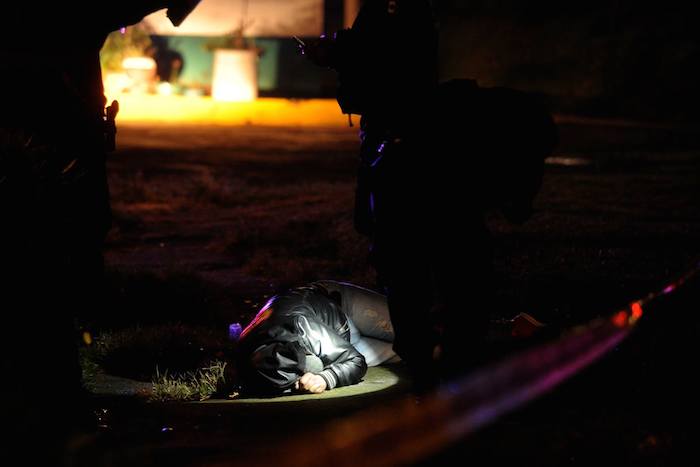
[[619, 58]]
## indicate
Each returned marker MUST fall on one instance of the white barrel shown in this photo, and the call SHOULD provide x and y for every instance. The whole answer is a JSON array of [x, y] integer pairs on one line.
[[235, 75]]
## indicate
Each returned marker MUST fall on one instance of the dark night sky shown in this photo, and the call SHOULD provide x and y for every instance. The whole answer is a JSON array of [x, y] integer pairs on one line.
[[618, 58]]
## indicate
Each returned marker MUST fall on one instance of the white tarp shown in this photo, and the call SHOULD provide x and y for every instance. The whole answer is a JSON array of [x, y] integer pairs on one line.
[[264, 18]]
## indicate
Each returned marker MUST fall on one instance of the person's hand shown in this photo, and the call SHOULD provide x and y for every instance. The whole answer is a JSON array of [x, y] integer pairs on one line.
[[318, 51], [312, 383]]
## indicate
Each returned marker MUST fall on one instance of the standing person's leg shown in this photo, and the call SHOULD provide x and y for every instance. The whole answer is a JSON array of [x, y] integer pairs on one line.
[[464, 285], [410, 304], [404, 262], [40, 351]]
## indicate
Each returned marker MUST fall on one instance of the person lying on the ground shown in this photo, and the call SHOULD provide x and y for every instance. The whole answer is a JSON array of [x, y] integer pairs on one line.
[[324, 335], [314, 338]]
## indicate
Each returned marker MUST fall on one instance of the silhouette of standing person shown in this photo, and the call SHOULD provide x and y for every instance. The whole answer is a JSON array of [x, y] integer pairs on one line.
[[431, 164], [54, 202], [387, 71]]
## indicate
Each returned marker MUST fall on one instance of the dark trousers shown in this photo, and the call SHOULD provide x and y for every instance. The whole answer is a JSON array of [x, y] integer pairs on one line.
[[52, 269], [432, 253]]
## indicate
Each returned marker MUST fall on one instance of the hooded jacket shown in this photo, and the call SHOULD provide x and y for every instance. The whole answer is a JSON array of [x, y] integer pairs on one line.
[[302, 330]]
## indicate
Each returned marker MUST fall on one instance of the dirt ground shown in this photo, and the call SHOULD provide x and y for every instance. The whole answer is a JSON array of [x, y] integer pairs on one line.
[[250, 210], [210, 221]]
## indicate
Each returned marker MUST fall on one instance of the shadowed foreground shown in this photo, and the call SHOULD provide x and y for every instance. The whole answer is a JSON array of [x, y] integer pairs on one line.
[[212, 221]]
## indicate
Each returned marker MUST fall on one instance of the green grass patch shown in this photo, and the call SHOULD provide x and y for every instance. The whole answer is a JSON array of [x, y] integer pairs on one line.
[[194, 385], [137, 352]]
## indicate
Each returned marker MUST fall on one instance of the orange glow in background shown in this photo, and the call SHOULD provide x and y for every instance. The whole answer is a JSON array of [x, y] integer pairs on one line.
[[163, 108]]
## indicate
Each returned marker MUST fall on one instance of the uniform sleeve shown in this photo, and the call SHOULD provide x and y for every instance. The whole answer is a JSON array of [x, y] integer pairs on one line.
[[343, 365]]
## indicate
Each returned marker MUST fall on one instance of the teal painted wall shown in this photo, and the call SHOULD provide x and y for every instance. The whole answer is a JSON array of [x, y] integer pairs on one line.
[[281, 70]]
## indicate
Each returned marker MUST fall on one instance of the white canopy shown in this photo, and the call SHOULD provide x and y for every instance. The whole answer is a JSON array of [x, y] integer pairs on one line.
[[271, 18]]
